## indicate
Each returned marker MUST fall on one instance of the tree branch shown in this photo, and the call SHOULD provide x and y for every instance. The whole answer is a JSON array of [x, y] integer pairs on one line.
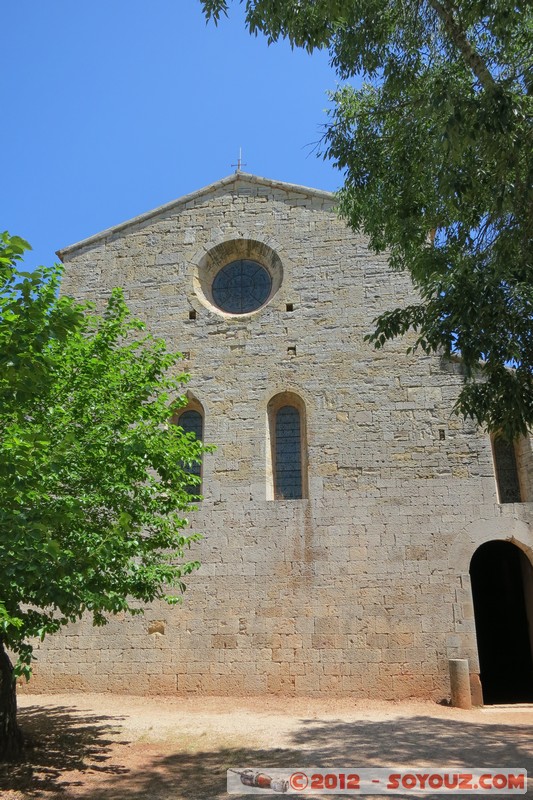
[[471, 57]]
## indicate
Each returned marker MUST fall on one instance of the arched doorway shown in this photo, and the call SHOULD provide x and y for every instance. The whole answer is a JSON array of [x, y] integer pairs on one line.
[[502, 591]]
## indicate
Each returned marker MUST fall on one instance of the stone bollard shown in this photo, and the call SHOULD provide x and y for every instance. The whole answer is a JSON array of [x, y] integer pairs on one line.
[[460, 683]]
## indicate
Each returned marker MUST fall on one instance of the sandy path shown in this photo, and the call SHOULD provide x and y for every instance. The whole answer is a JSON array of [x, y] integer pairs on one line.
[[112, 747]]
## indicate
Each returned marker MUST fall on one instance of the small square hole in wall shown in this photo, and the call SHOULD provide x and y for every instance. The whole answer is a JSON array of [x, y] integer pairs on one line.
[[291, 351], [442, 434], [289, 307], [192, 314], [186, 355]]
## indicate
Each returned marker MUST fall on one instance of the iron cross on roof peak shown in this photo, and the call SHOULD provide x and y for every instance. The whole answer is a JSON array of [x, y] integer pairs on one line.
[[239, 163]]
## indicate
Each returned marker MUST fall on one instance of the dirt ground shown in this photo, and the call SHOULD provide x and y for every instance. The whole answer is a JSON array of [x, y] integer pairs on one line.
[[111, 747]]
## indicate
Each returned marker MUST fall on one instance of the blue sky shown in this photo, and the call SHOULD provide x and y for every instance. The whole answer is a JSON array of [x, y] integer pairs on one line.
[[113, 108]]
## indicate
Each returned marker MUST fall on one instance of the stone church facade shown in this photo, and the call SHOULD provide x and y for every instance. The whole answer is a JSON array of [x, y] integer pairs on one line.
[[347, 512]]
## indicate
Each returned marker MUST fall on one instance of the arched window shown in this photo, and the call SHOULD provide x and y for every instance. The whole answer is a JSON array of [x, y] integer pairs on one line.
[[288, 463], [191, 419], [192, 422], [506, 470]]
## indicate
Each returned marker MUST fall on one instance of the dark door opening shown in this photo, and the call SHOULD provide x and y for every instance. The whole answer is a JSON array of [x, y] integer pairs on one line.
[[502, 590]]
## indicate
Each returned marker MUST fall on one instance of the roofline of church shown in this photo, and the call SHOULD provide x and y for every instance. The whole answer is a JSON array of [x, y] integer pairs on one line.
[[246, 177]]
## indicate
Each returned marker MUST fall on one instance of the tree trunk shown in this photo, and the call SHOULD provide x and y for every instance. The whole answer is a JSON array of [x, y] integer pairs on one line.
[[11, 739]]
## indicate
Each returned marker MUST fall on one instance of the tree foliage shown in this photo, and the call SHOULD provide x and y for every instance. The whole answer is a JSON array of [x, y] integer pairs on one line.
[[436, 149], [93, 478]]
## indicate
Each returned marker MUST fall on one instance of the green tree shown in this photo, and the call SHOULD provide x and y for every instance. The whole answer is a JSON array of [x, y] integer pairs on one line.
[[93, 478], [436, 149]]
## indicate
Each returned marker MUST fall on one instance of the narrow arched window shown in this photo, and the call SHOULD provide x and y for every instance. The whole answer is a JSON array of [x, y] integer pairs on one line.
[[506, 470], [286, 415], [192, 421], [288, 463]]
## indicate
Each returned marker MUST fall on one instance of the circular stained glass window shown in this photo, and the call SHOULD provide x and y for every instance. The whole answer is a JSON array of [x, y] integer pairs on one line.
[[241, 287]]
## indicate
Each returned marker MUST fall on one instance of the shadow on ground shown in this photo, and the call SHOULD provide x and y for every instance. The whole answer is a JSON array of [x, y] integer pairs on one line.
[[61, 741], [403, 742], [201, 774]]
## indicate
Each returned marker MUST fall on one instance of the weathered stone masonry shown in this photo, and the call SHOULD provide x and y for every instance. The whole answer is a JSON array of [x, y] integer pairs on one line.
[[362, 588]]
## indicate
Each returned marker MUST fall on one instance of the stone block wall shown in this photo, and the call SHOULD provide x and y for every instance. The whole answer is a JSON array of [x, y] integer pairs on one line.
[[360, 589]]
